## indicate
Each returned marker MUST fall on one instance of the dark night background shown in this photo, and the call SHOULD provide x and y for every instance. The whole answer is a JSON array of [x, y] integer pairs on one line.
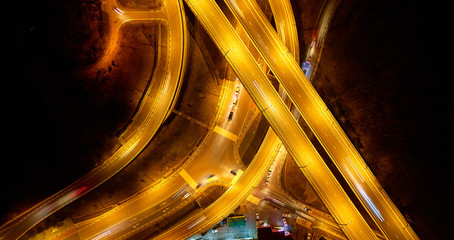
[[54, 126], [384, 76]]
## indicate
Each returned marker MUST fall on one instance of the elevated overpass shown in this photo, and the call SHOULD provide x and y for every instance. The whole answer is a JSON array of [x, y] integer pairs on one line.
[[319, 118], [280, 119]]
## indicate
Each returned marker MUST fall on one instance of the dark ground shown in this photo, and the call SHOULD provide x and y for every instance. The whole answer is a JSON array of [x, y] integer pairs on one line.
[[384, 76], [53, 125]]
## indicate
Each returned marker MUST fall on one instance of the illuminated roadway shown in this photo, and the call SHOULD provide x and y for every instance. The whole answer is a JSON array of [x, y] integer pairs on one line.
[[145, 123], [286, 25], [173, 193], [273, 193], [280, 119], [286, 28], [234, 196], [321, 121], [315, 49], [167, 194], [132, 216], [230, 200]]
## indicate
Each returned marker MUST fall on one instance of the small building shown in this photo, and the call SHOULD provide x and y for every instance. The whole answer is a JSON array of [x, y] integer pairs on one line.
[[237, 221]]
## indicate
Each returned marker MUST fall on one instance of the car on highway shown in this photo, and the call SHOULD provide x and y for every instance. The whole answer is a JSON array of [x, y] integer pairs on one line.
[[208, 179], [230, 116]]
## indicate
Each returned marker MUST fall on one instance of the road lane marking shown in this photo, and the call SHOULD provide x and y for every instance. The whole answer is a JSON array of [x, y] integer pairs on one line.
[[225, 133], [253, 199], [188, 179]]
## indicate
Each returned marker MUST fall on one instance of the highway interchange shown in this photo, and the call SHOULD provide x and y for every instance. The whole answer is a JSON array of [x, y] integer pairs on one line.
[[177, 191], [322, 122]]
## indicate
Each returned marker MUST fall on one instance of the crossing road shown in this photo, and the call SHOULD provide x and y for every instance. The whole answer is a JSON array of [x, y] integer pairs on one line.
[[280, 119], [143, 127], [321, 121]]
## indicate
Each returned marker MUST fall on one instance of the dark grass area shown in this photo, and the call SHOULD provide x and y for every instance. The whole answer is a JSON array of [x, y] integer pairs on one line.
[[58, 122], [384, 76], [175, 139], [55, 127]]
